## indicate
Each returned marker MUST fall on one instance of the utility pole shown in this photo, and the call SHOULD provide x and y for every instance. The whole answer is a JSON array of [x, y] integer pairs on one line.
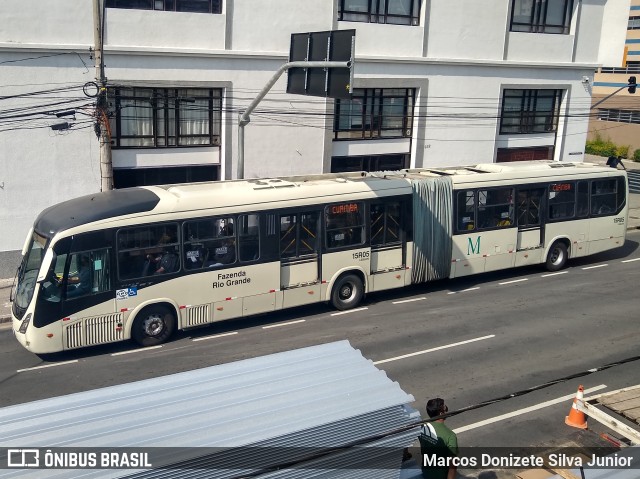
[[102, 118]]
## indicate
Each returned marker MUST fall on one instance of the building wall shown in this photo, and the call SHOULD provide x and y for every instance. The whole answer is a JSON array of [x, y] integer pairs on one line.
[[609, 84], [459, 59]]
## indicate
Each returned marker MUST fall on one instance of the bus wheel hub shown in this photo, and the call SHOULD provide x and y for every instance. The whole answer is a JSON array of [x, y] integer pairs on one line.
[[153, 325]]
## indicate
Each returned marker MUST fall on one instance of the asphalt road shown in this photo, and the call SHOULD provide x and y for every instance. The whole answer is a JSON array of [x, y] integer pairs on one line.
[[469, 341]]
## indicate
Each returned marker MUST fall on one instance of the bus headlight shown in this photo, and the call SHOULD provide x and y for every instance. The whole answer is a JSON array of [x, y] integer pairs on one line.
[[25, 324]]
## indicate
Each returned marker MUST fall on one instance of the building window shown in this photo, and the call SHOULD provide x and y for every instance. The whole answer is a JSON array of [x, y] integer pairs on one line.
[[375, 113], [620, 116], [397, 12], [193, 6], [166, 175], [634, 23], [163, 117], [345, 164], [541, 16], [530, 111]]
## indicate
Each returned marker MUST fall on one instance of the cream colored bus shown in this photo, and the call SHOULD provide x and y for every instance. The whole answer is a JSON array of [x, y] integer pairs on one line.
[[143, 262]]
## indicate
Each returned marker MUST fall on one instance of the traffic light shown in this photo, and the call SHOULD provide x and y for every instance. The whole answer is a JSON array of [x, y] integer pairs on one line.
[[632, 84]]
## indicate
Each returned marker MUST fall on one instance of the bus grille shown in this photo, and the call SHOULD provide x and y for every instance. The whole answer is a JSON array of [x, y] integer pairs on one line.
[[96, 330], [198, 315]]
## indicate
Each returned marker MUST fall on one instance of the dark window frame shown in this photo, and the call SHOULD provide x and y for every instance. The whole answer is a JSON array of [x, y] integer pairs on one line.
[[191, 6], [166, 105], [143, 250], [585, 201], [208, 244], [538, 21], [297, 239], [345, 228], [527, 115], [372, 117], [378, 12], [386, 229], [561, 200]]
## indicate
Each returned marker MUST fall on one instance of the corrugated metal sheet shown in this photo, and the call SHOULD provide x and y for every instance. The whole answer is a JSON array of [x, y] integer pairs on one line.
[[316, 397]]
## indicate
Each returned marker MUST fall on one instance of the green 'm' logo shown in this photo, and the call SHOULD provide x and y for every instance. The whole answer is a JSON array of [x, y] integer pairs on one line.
[[473, 249]]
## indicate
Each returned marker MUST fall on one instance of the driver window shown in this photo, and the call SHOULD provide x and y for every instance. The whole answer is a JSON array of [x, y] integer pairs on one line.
[[88, 273], [52, 285]]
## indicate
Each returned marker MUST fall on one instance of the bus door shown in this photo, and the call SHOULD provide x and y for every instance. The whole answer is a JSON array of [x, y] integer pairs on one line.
[[387, 252], [300, 258], [530, 219]]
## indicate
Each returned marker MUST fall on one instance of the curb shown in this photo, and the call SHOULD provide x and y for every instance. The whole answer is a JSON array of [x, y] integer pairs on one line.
[[5, 319]]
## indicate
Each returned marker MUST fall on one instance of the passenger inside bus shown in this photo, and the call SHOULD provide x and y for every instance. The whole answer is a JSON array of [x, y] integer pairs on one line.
[[196, 256], [164, 262], [224, 253]]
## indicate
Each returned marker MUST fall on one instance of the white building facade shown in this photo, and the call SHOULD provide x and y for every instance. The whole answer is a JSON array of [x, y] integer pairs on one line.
[[436, 83]]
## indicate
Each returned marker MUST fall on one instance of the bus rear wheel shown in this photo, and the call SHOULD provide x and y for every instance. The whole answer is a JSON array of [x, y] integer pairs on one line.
[[154, 325], [557, 256], [347, 292]]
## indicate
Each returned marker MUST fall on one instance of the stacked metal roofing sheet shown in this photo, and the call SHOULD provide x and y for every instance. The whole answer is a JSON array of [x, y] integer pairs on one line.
[[272, 411]]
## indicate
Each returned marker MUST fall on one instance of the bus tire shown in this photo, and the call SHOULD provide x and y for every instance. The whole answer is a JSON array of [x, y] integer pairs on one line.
[[153, 325], [557, 256], [347, 292]]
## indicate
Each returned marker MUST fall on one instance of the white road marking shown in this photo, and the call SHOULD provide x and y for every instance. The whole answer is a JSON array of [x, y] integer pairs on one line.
[[349, 311], [141, 350], [408, 300], [284, 324], [525, 410], [553, 274], [631, 260], [464, 290], [596, 266], [438, 348], [215, 336], [47, 366], [514, 281]]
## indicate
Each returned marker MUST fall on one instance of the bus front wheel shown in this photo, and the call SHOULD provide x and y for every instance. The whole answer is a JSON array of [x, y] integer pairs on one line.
[[557, 257], [347, 292], [154, 325]]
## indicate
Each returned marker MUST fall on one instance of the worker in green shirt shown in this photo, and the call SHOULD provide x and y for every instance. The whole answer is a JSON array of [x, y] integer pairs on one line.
[[439, 443]]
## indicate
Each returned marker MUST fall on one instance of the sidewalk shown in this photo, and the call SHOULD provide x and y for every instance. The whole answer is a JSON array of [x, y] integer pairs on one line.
[[634, 223]]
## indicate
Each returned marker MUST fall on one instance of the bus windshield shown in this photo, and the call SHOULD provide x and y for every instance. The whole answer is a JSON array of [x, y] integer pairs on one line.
[[28, 273]]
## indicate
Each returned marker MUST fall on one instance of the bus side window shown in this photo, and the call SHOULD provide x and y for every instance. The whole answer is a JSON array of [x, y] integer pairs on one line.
[[385, 223], [466, 210], [298, 234], [495, 208], [288, 235], [344, 224], [603, 197], [88, 273], [148, 250], [562, 199], [582, 201], [249, 237]]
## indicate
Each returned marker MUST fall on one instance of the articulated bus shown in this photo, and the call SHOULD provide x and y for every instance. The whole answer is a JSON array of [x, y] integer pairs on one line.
[[143, 262]]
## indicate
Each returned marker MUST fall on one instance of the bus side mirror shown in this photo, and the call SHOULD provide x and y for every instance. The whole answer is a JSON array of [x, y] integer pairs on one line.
[[48, 262]]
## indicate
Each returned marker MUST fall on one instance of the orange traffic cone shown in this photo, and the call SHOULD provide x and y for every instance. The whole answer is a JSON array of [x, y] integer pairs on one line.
[[577, 418]]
